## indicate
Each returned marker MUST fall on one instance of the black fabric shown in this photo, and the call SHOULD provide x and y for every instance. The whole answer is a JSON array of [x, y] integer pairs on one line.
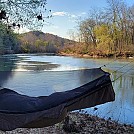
[[18, 110], [12, 102]]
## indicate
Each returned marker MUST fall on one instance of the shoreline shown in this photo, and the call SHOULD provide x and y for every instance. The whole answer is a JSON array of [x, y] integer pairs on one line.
[[82, 55], [80, 123], [94, 56]]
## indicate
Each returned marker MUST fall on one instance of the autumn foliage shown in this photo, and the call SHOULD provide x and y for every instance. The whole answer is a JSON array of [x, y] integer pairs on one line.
[[106, 32]]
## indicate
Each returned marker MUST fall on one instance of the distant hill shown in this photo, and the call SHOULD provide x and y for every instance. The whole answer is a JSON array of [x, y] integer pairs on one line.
[[32, 36], [37, 41]]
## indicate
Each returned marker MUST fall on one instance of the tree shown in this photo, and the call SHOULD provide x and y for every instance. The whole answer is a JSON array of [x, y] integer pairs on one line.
[[104, 39], [121, 19], [86, 28], [8, 40], [131, 23], [110, 30], [30, 13]]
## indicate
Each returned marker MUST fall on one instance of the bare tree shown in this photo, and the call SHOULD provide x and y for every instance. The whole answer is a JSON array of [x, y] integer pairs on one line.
[[131, 23], [87, 31], [111, 28]]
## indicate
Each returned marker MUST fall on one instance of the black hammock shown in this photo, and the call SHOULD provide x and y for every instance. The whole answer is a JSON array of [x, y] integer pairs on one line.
[[21, 111]]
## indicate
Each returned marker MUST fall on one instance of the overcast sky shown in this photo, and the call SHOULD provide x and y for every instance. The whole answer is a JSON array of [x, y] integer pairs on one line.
[[66, 12]]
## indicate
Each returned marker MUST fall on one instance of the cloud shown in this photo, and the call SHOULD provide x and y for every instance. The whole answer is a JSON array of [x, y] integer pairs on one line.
[[59, 13], [70, 15]]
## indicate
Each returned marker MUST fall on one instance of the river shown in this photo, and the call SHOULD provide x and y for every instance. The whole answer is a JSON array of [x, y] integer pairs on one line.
[[41, 74]]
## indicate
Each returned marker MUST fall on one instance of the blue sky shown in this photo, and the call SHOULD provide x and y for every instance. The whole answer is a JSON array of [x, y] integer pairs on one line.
[[67, 12]]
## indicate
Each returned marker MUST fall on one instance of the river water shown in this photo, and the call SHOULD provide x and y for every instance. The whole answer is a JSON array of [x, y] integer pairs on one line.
[[41, 74]]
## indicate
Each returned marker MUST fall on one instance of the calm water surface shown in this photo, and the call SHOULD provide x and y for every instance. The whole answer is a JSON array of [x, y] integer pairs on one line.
[[40, 74]]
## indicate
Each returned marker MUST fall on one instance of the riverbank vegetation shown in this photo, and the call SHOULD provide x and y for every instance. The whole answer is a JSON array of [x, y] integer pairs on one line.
[[8, 40], [106, 32]]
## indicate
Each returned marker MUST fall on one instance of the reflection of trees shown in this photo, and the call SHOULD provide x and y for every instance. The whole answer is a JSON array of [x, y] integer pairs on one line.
[[7, 64], [123, 107], [124, 88], [4, 75]]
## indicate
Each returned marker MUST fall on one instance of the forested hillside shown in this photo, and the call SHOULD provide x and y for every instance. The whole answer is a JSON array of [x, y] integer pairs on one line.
[[36, 41]]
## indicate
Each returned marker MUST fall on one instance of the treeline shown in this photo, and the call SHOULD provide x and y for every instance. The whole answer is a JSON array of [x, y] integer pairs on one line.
[[8, 40], [106, 32], [38, 46]]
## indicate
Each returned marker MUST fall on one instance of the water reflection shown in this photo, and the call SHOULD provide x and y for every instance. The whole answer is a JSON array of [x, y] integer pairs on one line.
[[122, 109], [7, 64]]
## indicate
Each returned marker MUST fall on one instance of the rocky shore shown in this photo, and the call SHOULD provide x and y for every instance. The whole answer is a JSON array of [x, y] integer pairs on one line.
[[80, 123]]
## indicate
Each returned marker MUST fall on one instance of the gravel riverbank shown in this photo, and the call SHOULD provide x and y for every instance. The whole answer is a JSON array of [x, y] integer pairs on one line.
[[79, 123]]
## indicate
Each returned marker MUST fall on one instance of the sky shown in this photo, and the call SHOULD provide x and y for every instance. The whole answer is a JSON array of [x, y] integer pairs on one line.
[[66, 14]]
